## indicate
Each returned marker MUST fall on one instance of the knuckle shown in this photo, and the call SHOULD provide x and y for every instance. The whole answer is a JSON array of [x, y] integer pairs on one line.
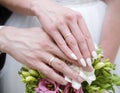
[[60, 22], [61, 43], [48, 72], [61, 65], [63, 69], [48, 47], [70, 16], [87, 34], [85, 51], [84, 47], [88, 37], [81, 41], [72, 42], [51, 27], [79, 15]]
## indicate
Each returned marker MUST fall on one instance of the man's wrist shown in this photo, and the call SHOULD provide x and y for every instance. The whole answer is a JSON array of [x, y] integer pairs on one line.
[[2, 38], [0, 45]]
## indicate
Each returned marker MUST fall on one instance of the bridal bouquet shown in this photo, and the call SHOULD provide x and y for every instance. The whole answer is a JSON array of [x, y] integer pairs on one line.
[[100, 80]]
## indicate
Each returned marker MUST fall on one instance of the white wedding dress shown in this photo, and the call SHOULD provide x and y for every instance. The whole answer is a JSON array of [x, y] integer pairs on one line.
[[93, 13]]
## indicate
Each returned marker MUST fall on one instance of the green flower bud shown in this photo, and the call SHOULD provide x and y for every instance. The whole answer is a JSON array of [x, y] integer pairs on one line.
[[21, 76], [105, 86], [106, 73], [25, 74], [99, 65], [30, 78], [23, 80], [24, 69], [108, 68], [117, 83], [107, 64], [33, 72]]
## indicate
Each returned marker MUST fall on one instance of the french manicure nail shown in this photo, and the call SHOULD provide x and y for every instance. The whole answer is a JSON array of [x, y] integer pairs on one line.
[[89, 62], [94, 54], [83, 62], [73, 56]]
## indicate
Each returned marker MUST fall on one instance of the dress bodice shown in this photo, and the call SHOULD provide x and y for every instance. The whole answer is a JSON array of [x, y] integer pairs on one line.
[[66, 2]]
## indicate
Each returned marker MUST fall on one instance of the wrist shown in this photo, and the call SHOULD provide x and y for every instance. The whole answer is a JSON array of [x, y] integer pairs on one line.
[[39, 6], [3, 38]]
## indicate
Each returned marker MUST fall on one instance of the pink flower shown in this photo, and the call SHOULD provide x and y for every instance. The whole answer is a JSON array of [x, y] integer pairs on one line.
[[47, 86], [69, 89]]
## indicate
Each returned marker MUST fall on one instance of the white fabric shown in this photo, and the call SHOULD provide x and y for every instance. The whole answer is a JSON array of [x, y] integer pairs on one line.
[[1, 27], [74, 2], [93, 14]]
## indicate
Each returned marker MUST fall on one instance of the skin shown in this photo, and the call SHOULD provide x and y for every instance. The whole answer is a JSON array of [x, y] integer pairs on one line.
[[34, 48], [59, 21], [26, 53], [110, 38]]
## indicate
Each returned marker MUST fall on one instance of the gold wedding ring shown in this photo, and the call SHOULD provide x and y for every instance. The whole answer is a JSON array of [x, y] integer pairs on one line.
[[51, 60], [67, 35]]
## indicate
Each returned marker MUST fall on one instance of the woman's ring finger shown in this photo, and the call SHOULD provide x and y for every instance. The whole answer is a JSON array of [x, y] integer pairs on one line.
[[67, 35], [51, 60]]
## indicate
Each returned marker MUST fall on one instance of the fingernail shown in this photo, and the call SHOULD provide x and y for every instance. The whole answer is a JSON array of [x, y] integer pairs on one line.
[[89, 62], [94, 54], [83, 62], [73, 56]]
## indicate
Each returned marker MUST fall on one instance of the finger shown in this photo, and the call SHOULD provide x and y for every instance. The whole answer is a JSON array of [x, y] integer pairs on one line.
[[60, 66], [81, 42], [58, 53], [50, 28], [62, 44], [88, 68], [72, 43], [88, 37], [76, 50], [49, 72]]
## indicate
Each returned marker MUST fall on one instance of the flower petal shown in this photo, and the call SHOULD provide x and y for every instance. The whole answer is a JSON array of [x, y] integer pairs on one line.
[[42, 86]]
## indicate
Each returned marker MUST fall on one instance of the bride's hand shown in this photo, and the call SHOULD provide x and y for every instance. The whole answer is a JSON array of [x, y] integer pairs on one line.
[[68, 29], [34, 48]]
